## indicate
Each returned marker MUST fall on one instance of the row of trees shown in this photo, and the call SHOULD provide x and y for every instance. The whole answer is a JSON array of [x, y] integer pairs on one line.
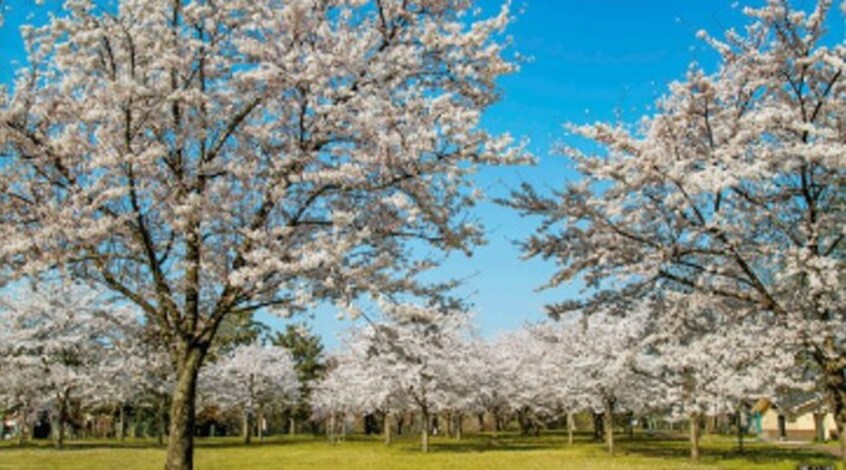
[[67, 348], [426, 362]]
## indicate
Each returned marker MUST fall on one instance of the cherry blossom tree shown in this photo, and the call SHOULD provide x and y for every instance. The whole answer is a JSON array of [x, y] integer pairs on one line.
[[52, 340], [413, 360], [519, 376], [733, 189], [354, 385], [252, 378], [129, 372], [206, 159], [600, 351], [704, 362]]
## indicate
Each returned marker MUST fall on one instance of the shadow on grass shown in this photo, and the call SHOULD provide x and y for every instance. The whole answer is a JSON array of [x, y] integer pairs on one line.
[[756, 453], [488, 442], [130, 444]]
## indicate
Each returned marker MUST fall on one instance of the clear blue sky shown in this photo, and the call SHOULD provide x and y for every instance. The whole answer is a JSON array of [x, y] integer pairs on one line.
[[591, 60]]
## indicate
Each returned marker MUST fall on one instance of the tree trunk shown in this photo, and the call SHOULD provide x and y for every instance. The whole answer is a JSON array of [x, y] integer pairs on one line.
[[694, 436], [840, 418], [571, 426], [710, 424], [424, 430], [260, 423], [819, 430], [459, 424], [598, 426], [248, 430], [330, 430], [386, 427], [59, 431], [481, 418], [180, 443], [160, 420], [835, 384], [609, 425], [292, 425], [23, 424], [740, 431], [121, 432]]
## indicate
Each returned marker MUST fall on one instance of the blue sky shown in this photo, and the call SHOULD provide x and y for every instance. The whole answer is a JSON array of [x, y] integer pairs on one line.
[[591, 60]]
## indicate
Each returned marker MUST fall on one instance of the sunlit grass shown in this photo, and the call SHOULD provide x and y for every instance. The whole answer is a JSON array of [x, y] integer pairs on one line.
[[474, 452]]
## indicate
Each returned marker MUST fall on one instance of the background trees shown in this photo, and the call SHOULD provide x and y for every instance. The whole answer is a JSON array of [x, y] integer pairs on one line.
[[307, 352], [731, 192], [416, 360], [254, 379], [54, 342], [205, 160]]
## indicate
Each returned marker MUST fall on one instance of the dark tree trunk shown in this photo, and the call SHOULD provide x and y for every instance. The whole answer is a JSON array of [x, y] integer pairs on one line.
[[121, 431], [260, 423], [598, 426], [23, 426], [160, 420], [180, 443], [386, 427], [59, 431]]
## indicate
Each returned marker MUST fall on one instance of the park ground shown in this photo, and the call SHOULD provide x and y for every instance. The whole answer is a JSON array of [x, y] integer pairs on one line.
[[474, 452]]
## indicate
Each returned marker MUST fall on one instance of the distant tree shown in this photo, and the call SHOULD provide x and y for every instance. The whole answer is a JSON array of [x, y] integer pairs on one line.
[[306, 350], [238, 330], [253, 379]]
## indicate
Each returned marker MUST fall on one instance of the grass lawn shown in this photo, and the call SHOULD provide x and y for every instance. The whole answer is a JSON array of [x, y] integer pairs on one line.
[[474, 452]]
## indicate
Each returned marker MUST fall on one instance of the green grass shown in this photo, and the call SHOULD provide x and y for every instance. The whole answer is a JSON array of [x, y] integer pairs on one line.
[[474, 452]]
